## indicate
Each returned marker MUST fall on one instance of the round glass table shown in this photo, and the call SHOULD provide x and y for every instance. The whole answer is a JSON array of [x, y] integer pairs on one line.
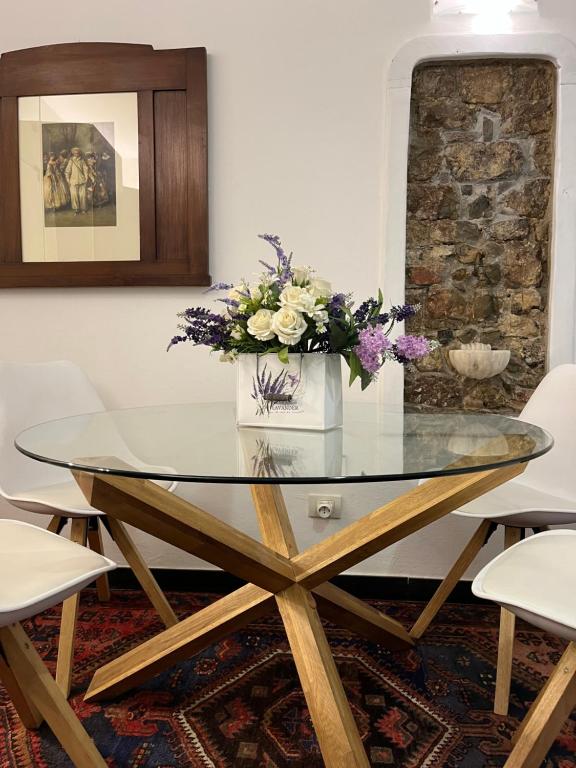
[[201, 443], [115, 455]]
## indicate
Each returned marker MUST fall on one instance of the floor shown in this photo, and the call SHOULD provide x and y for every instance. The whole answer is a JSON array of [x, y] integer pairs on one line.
[[238, 704]]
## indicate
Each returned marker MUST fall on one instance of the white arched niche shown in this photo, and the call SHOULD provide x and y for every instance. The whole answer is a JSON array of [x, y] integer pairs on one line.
[[562, 296]]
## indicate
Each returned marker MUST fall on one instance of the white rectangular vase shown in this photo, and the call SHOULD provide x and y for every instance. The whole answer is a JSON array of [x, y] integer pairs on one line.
[[304, 394]]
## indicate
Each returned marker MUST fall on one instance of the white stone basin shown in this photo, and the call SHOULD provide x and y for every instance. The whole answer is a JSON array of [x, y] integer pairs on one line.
[[479, 361]]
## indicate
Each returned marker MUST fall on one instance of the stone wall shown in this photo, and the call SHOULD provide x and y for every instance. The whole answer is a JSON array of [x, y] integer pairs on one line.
[[478, 225]]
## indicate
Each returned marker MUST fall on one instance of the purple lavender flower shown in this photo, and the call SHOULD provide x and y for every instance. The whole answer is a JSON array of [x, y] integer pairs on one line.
[[230, 302], [284, 269], [276, 243], [364, 310], [203, 327], [176, 340], [336, 303], [403, 312], [219, 287], [269, 267], [409, 348], [373, 343]]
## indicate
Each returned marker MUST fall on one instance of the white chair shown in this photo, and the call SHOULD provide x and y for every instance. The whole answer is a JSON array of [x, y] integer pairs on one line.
[[544, 495], [31, 393], [536, 580], [39, 569]]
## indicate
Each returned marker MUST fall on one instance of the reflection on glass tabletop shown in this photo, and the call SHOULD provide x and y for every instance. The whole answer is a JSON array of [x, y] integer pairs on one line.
[[201, 442]]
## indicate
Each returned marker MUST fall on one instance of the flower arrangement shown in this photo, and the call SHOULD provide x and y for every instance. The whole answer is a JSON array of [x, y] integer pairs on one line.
[[290, 309]]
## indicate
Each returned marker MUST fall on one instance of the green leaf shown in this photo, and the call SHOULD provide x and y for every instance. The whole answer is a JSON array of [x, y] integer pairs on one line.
[[378, 308], [338, 337], [283, 355], [355, 367], [365, 379], [356, 371]]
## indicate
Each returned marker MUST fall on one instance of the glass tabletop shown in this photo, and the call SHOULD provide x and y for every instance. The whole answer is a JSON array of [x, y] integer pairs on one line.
[[201, 443]]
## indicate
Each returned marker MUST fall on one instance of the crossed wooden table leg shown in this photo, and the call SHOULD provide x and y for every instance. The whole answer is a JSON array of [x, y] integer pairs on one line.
[[277, 574]]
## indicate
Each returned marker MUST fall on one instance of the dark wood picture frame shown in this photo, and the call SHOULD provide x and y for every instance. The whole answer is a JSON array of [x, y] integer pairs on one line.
[[172, 136]]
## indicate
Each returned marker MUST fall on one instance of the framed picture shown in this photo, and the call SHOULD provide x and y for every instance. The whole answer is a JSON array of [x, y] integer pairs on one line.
[[79, 180], [104, 156]]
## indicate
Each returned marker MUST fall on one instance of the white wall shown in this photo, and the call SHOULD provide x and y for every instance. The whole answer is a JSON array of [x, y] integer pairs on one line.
[[297, 139]]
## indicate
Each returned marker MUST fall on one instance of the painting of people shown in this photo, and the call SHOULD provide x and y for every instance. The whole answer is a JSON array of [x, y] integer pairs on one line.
[[79, 184]]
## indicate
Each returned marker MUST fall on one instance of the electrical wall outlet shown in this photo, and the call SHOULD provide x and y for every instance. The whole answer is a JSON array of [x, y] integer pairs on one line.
[[324, 505]]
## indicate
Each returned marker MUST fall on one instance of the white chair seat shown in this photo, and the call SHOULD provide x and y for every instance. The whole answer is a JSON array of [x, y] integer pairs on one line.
[[65, 499], [517, 504], [39, 569], [536, 580]]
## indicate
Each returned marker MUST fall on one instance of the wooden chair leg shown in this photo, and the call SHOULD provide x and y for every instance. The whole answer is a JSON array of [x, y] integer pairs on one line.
[[544, 721], [47, 698], [28, 713], [517, 735], [474, 546], [56, 524], [95, 543], [505, 641], [142, 572], [69, 615]]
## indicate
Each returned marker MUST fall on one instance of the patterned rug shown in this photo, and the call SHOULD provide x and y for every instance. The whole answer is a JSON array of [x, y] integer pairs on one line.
[[239, 705]]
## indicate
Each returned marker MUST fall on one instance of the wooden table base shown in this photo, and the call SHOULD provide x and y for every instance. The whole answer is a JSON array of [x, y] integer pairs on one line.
[[279, 576]]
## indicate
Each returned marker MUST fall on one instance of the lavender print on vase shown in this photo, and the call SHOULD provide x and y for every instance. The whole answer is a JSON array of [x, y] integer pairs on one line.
[[288, 331], [305, 392], [281, 390]]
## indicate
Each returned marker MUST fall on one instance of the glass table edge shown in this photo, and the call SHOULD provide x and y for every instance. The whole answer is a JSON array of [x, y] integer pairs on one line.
[[337, 479]]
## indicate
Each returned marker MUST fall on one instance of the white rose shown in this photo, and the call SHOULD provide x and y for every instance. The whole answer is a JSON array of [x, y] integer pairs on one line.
[[320, 316], [255, 293], [237, 333], [301, 274], [289, 325], [260, 325], [320, 288], [297, 298]]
